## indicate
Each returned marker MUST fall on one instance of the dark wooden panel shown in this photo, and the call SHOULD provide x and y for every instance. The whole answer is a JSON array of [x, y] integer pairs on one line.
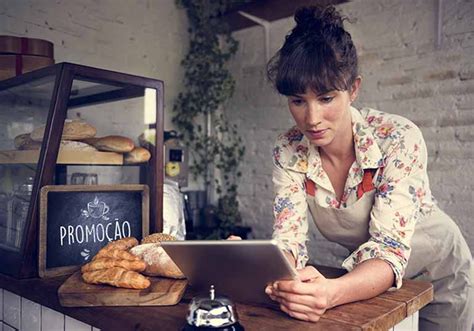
[[270, 10]]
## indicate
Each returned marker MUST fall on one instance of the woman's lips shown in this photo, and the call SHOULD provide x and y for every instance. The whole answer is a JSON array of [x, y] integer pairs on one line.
[[316, 134]]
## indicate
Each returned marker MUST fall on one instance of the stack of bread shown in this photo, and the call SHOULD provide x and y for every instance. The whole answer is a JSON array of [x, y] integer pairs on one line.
[[115, 265], [121, 263], [80, 136]]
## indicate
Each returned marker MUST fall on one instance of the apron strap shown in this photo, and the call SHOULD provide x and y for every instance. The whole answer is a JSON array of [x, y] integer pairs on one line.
[[365, 186], [310, 187]]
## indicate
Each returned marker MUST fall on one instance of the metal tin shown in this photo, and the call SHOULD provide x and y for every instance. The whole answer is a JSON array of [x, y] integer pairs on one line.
[[26, 46]]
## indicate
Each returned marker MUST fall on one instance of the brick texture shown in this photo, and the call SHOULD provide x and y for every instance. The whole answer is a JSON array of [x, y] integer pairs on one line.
[[143, 37]]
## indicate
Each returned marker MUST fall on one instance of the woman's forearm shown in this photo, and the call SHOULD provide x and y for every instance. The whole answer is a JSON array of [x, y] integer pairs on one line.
[[367, 280]]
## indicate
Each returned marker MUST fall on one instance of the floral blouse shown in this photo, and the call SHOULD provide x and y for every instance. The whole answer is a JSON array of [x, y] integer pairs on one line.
[[402, 195]]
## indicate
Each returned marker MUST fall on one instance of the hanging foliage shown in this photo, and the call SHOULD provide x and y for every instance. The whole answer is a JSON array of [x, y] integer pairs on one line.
[[208, 85]]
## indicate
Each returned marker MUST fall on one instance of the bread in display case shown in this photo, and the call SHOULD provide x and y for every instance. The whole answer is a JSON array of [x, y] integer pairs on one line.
[[72, 124]]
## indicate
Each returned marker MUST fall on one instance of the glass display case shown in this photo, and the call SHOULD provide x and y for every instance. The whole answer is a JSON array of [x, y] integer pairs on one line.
[[73, 124]]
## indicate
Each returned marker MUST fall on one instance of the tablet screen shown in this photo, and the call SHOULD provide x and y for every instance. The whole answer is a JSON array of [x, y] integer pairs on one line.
[[239, 269]]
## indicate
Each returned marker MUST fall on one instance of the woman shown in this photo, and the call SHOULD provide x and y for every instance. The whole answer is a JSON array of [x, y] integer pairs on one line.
[[362, 174]]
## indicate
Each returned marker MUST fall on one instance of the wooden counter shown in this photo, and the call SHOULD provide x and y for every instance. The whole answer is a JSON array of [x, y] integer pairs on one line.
[[379, 313]]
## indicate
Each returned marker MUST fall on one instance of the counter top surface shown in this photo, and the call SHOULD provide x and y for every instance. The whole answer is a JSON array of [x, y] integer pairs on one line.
[[381, 312]]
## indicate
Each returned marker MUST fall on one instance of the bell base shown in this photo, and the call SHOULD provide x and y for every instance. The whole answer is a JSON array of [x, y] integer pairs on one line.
[[234, 327]]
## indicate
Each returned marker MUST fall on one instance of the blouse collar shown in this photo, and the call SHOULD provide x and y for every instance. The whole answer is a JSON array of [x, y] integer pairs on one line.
[[305, 158]]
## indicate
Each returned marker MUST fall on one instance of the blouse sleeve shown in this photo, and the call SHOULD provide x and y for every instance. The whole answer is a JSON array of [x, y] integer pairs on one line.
[[399, 193], [290, 212]]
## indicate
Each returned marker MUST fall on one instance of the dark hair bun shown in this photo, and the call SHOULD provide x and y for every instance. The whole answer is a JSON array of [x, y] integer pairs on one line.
[[318, 54], [320, 19]]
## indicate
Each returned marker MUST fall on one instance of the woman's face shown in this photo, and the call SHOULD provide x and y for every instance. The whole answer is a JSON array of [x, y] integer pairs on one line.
[[323, 117]]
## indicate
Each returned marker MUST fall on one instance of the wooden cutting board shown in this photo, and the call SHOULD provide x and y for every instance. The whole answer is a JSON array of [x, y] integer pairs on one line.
[[162, 292]]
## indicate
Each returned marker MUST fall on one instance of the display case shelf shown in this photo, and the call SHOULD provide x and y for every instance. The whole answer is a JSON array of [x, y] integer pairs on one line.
[[69, 157]]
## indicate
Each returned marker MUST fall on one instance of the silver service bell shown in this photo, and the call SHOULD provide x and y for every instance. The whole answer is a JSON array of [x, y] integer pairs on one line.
[[212, 312]]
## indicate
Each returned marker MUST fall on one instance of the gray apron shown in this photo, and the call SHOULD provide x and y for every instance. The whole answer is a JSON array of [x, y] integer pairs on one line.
[[439, 254]]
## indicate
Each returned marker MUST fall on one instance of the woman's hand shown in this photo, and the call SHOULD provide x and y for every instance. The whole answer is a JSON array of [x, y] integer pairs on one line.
[[306, 298]]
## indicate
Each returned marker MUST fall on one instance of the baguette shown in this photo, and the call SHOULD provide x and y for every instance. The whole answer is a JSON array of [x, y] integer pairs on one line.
[[117, 277], [107, 263], [117, 144]]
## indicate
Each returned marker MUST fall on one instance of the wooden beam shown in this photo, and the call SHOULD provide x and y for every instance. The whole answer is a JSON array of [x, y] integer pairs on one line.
[[269, 10]]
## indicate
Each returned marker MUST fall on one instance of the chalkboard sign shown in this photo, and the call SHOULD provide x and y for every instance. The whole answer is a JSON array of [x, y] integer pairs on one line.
[[76, 221]]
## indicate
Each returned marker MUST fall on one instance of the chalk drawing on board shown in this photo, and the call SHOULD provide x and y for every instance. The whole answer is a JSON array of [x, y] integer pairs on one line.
[[96, 209], [86, 254]]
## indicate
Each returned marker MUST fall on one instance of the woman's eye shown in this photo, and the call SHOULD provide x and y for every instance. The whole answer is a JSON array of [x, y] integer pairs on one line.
[[326, 99], [296, 102]]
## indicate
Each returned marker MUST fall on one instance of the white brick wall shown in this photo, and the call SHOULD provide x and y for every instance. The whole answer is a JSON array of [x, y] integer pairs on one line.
[[403, 72], [140, 37]]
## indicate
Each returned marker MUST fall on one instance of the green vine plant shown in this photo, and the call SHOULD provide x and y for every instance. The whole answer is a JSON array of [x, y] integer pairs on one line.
[[208, 85]]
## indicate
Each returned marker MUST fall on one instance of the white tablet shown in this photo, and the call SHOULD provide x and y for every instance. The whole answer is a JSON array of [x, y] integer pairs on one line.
[[239, 269]]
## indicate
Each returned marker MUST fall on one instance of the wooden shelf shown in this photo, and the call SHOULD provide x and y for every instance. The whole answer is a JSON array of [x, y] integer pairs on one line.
[[64, 157]]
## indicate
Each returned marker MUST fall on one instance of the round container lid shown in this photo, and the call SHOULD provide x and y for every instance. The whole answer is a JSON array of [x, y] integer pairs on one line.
[[26, 46]]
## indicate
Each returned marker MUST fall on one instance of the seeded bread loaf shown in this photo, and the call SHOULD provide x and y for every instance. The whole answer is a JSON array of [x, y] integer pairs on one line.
[[157, 238]]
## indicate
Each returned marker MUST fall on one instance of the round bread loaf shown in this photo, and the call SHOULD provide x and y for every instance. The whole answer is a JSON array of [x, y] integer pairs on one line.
[[117, 144], [137, 155], [73, 130]]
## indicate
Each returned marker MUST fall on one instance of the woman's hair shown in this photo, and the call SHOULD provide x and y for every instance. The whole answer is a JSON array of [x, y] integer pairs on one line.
[[318, 54]]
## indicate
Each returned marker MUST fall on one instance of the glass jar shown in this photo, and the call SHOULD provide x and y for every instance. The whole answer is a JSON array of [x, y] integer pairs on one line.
[[18, 210], [4, 200]]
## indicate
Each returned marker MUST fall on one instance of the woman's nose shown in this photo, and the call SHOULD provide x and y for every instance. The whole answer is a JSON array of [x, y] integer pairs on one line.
[[313, 114]]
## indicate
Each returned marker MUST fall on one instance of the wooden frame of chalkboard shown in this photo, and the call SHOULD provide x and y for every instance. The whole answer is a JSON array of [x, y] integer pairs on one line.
[[77, 220]]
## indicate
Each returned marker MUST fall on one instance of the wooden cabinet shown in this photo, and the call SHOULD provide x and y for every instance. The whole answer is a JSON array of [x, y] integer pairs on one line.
[[112, 102]]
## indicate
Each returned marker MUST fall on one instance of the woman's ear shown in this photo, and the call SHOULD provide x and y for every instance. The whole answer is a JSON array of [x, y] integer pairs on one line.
[[355, 88]]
